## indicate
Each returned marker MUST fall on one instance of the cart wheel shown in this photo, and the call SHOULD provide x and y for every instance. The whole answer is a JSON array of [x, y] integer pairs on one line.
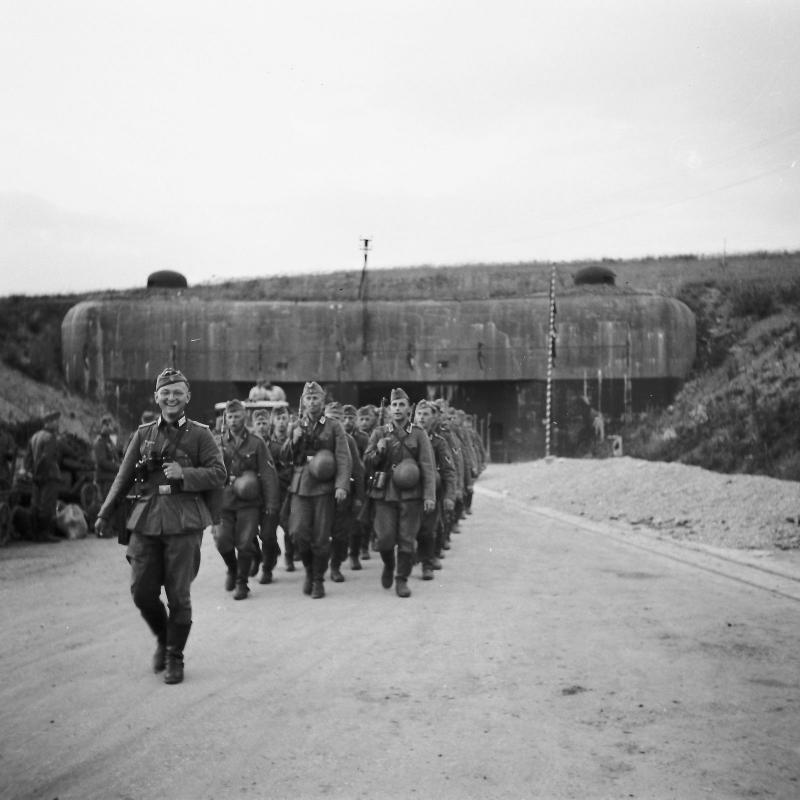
[[5, 524], [90, 496]]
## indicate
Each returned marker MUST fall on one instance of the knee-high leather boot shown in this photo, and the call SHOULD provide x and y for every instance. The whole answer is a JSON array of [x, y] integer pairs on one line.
[[338, 555], [177, 634], [319, 565], [307, 560], [156, 619], [404, 563], [230, 563], [244, 560], [288, 545], [269, 557], [355, 545], [387, 576]]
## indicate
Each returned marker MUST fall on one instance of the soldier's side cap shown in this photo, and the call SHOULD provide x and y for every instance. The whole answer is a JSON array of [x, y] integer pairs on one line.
[[333, 409], [169, 376], [347, 409], [51, 416], [367, 411], [234, 405], [426, 404], [398, 394], [260, 413], [312, 387]]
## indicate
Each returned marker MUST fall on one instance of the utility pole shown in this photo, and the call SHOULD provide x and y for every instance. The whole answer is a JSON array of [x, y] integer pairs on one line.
[[551, 357], [365, 248], [362, 296]]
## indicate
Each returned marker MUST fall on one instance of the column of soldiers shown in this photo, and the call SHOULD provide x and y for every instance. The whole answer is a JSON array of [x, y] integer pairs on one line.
[[341, 482]]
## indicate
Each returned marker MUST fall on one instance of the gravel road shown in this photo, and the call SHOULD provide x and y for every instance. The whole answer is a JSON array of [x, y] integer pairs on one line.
[[547, 660]]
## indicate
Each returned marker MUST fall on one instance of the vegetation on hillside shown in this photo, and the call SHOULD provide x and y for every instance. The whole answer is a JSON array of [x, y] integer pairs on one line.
[[738, 412]]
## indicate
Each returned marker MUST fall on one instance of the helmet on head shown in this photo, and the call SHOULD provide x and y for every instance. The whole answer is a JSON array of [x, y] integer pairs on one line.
[[246, 487], [322, 465], [406, 474]]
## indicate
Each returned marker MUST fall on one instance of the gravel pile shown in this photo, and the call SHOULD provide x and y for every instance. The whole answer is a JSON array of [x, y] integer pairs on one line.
[[684, 502]]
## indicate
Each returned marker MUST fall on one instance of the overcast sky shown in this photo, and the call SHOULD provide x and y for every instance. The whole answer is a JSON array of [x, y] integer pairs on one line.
[[233, 139]]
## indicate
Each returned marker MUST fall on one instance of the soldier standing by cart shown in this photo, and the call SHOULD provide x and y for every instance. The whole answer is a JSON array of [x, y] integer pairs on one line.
[[251, 497], [174, 462], [317, 448], [43, 463], [400, 457], [107, 458]]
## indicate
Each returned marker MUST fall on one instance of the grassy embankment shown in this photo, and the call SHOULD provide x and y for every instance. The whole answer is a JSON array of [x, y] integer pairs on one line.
[[739, 410]]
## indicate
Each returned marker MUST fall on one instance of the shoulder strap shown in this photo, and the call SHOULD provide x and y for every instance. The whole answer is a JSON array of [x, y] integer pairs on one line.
[[403, 440]]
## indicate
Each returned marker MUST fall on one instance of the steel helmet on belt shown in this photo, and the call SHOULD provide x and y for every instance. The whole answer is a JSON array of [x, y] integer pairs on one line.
[[322, 465], [245, 487], [406, 474]]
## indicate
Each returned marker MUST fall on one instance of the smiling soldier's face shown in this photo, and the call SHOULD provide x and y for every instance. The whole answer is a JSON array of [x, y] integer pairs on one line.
[[172, 400]]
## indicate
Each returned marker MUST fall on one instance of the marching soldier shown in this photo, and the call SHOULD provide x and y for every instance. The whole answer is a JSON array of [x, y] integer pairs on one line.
[[279, 433], [174, 462], [346, 533], [443, 428], [400, 456], [318, 449], [350, 415], [359, 539], [251, 494], [365, 422], [472, 468], [272, 429], [425, 417]]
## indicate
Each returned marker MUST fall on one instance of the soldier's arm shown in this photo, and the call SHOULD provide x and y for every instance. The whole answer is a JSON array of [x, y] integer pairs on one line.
[[270, 487], [427, 466], [447, 469], [357, 471], [124, 480], [373, 458], [210, 472], [343, 462]]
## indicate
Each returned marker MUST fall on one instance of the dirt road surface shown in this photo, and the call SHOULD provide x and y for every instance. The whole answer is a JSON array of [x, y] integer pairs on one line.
[[547, 660]]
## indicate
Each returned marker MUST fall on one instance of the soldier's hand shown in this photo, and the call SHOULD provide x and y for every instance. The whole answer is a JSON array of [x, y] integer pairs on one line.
[[340, 495], [428, 506], [449, 505], [173, 471], [296, 434], [382, 445], [101, 527]]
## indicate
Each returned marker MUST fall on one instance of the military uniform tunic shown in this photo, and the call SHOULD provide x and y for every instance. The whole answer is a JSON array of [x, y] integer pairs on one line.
[[168, 518], [398, 512]]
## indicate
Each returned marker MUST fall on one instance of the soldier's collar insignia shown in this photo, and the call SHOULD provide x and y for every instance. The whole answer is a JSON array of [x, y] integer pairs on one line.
[[179, 423]]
